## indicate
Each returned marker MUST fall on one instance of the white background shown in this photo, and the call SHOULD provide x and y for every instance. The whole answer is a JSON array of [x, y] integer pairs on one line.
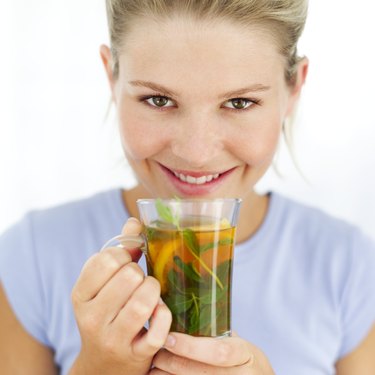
[[55, 144]]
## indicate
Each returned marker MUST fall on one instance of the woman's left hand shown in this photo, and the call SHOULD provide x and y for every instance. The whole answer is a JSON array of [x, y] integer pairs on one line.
[[188, 355]]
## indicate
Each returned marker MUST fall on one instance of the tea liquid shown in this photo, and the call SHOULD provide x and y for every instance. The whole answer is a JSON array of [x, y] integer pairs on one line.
[[193, 265]]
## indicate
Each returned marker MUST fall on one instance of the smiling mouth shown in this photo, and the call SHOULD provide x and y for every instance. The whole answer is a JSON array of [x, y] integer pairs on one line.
[[196, 180]]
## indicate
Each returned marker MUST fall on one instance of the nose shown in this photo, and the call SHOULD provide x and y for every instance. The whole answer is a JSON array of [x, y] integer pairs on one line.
[[197, 139]]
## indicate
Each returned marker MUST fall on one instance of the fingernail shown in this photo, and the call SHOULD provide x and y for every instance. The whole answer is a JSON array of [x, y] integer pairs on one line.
[[133, 219], [170, 342]]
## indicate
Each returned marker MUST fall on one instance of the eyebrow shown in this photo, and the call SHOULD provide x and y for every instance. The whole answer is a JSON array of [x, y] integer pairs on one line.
[[165, 91], [253, 88], [154, 86]]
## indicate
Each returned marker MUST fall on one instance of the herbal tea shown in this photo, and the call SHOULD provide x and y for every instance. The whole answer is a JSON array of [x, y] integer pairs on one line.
[[193, 265]]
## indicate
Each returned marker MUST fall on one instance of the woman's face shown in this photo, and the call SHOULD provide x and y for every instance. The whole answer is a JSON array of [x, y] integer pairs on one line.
[[200, 106]]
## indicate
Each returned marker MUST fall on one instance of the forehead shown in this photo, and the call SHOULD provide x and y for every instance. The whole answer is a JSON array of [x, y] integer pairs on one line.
[[188, 52]]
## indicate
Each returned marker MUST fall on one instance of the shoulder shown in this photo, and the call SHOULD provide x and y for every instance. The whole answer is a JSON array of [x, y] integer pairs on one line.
[[49, 247], [92, 209], [330, 251], [317, 228], [42, 255], [82, 223]]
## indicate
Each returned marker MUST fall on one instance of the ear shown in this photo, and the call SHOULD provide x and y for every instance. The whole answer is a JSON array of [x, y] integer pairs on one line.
[[295, 90], [106, 55]]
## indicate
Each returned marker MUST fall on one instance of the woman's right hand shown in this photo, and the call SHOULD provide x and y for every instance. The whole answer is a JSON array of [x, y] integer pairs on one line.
[[113, 300]]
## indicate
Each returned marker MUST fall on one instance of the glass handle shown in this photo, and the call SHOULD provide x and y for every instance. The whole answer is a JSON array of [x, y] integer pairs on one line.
[[127, 241]]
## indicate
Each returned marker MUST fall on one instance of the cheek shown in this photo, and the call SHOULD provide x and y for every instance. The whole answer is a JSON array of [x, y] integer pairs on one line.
[[140, 138], [256, 143]]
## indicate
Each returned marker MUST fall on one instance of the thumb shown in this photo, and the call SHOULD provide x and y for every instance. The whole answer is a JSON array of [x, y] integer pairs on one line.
[[132, 227]]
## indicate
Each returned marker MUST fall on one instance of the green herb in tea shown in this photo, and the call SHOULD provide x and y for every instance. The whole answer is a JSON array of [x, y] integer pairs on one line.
[[192, 266]]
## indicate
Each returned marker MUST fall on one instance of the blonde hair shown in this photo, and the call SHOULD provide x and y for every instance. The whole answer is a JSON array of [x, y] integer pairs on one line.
[[284, 19]]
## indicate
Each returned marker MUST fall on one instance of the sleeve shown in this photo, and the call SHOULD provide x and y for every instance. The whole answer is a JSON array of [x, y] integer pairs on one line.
[[20, 278], [358, 299]]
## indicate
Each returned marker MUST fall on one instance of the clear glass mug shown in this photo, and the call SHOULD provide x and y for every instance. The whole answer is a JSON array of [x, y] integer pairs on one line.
[[189, 246]]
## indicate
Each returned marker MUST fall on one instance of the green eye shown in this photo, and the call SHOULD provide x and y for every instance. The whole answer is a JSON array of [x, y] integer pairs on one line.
[[239, 103], [159, 101]]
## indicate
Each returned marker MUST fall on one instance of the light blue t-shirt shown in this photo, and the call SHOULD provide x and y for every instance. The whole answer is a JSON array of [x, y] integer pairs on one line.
[[303, 285]]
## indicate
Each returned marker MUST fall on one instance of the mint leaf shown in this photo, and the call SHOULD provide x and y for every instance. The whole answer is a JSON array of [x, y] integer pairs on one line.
[[206, 299], [211, 245], [187, 269], [181, 321], [194, 316], [166, 213], [175, 281], [191, 241], [193, 245], [205, 317], [222, 270], [178, 303]]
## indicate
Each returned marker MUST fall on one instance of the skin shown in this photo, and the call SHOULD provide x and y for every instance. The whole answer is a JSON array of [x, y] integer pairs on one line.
[[196, 132], [111, 319], [20, 353]]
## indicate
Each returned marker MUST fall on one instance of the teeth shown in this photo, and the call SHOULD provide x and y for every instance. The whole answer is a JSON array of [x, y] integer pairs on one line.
[[196, 180], [201, 180], [191, 180]]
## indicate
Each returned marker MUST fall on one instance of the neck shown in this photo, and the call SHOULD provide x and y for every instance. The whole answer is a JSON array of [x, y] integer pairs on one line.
[[252, 214]]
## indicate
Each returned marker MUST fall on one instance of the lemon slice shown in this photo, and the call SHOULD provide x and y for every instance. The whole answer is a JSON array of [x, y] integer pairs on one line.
[[222, 224], [151, 252]]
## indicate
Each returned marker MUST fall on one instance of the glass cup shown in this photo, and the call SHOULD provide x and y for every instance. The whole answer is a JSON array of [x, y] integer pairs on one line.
[[188, 244]]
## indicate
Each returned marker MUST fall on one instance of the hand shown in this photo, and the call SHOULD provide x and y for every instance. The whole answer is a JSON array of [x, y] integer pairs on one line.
[[188, 355], [112, 301]]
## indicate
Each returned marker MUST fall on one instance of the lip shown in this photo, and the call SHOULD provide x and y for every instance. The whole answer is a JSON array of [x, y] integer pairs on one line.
[[192, 173], [191, 190]]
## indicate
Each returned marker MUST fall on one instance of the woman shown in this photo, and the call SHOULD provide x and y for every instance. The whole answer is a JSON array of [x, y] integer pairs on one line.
[[203, 90]]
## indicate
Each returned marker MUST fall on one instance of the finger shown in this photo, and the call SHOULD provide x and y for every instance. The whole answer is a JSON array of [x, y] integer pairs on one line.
[[155, 337], [139, 308], [133, 227], [174, 364], [97, 271], [117, 291], [225, 352]]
